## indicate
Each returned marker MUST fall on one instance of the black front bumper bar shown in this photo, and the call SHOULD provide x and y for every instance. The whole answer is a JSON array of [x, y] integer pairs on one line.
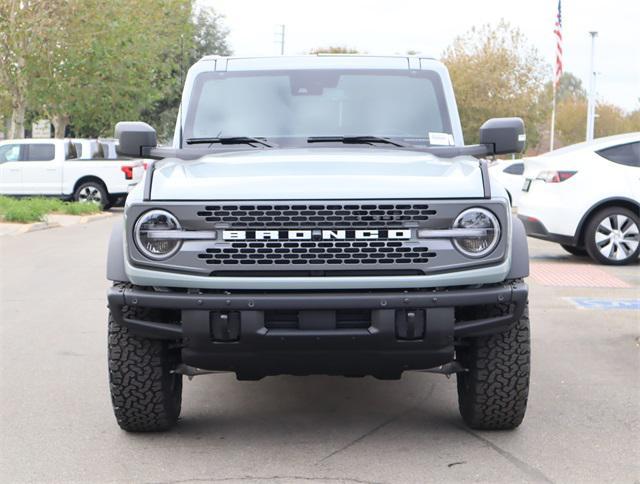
[[389, 345], [514, 293]]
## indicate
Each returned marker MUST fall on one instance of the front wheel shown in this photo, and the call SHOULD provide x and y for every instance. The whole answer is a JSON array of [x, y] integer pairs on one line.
[[613, 236], [493, 392], [145, 393], [92, 192]]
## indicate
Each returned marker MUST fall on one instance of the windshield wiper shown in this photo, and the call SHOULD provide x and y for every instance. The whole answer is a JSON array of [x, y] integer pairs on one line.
[[232, 140], [354, 140]]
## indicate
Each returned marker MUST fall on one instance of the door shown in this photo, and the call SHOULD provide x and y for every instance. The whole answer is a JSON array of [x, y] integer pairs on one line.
[[10, 169], [42, 170]]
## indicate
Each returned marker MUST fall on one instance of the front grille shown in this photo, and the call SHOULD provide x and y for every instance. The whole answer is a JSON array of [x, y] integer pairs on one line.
[[362, 253], [354, 215]]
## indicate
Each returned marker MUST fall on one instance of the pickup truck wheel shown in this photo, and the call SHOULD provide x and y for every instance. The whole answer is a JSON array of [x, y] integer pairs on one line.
[[92, 192], [613, 236], [492, 394], [145, 394]]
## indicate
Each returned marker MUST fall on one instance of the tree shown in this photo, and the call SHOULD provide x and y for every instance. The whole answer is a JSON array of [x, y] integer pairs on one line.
[[105, 68], [29, 30], [571, 121], [569, 87], [496, 73], [611, 119], [209, 35], [206, 35], [571, 114]]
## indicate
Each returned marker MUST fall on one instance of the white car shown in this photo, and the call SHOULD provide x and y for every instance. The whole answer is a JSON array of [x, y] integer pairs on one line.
[[586, 197], [50, 167], [509, 173]]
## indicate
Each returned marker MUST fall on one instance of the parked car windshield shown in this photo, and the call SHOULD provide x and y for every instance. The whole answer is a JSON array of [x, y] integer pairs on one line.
[[300, 104]]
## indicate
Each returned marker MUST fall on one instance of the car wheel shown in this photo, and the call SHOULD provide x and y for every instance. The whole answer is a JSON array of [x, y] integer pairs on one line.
[[577, 251], [613, 236], [92, 192]]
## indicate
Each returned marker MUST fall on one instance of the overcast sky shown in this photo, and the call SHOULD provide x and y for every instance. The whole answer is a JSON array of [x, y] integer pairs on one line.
[[395, 26]]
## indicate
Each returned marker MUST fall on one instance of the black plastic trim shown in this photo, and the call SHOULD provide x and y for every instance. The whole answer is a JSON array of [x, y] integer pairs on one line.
[[514, 293], [537, 230], [148, 180], [486, 182]]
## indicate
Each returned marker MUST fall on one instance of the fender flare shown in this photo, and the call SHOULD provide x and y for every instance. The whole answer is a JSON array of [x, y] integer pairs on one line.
[[519, 250], [115, 255]]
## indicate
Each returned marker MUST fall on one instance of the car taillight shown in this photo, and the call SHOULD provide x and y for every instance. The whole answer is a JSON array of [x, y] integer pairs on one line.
[[555, 176], [128, 172], [145, 165]]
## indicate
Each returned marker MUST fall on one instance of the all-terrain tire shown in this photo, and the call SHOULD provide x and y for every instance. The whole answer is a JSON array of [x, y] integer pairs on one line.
[[492, 394], [145, 394], [577, 251]]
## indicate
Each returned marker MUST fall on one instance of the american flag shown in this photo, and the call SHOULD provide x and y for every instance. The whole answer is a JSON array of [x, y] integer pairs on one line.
[[558, 33]]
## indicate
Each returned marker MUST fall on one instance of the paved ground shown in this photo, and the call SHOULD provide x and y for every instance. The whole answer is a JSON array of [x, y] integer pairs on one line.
[[583, 422]]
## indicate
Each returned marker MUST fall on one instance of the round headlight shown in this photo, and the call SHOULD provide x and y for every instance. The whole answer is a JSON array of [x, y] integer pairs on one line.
[[487, 238], [148, 233]]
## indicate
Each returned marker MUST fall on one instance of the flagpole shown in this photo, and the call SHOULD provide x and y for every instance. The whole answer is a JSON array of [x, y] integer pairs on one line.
[[553, 117]]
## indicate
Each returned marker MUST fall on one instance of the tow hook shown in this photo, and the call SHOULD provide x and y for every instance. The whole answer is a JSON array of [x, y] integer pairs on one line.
[[447, 369], [191, 371]]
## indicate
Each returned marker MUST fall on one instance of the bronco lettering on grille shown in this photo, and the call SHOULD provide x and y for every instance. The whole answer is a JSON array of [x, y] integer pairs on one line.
[[317, 234]]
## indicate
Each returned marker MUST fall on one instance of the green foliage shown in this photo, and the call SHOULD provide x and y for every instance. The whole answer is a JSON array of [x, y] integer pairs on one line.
[[27, 210], [92, 63], [206, 35], [209, 36], [495, 73], [571, 114], [110, 61]]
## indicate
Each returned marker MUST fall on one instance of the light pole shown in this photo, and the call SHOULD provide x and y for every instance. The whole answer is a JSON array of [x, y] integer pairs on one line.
[[591, 104]]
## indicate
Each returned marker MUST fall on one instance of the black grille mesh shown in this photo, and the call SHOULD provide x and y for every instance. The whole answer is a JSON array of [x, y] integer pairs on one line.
[[378, 215], [260, 253]]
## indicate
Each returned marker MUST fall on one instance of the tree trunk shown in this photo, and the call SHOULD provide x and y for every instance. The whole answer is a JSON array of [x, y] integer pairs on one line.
[[60, 123], [16, 129]]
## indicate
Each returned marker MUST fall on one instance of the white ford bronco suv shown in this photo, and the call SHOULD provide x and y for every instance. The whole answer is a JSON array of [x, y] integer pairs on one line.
[[318, 215]]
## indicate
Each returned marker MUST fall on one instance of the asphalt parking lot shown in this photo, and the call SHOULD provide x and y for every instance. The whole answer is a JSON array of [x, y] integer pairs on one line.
[[583, 422]]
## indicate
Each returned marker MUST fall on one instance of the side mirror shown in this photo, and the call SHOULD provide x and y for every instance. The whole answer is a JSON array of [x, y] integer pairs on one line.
[[506, 135], [135, 138]]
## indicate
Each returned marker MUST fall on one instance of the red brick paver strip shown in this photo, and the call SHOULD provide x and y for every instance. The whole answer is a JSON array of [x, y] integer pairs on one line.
[[573, 275]]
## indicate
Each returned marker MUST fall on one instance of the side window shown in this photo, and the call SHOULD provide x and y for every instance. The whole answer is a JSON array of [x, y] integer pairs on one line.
[[627, 154], [10, 153], [70, 153], [515, 169], [41, 152], [78, 147]]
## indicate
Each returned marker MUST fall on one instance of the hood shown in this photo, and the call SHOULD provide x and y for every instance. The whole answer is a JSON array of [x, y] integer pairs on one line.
[[317, 173]]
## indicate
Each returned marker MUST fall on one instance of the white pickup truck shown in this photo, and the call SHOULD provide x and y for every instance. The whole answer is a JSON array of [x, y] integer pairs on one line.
[[51, 167]]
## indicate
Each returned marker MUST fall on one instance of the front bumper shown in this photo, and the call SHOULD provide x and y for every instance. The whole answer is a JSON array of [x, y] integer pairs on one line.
[[244, 332]]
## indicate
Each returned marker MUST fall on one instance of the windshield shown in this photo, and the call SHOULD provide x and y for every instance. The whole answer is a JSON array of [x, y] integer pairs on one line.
[[298, 104]]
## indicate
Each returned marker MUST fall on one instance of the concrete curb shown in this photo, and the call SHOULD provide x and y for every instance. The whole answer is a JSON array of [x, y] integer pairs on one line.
[[52, 221]]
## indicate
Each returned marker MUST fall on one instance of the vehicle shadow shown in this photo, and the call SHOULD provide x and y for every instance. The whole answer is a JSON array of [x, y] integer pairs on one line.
[[317, 408]]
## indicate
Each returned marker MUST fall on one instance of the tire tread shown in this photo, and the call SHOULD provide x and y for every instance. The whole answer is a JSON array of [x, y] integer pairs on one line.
[[144, 397], [493, 393]]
